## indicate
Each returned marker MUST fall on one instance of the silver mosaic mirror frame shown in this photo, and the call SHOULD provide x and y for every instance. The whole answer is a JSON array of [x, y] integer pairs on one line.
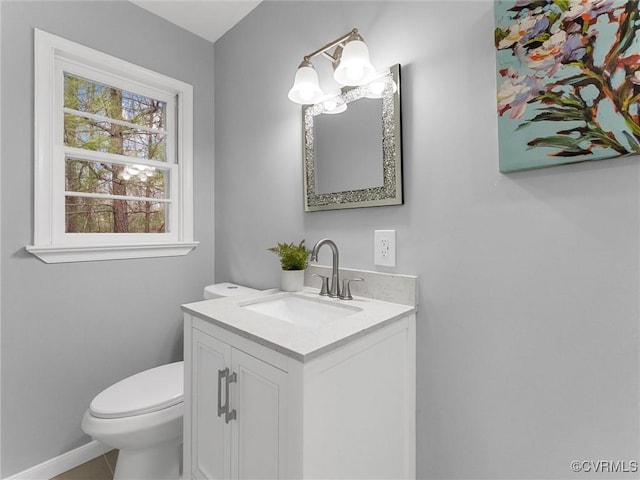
[[390, 193]]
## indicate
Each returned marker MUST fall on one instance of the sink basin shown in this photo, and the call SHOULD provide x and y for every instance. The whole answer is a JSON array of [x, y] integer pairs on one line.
[[300, 309]]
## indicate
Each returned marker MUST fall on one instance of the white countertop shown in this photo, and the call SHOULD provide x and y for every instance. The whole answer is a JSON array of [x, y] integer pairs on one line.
[[298, 341]]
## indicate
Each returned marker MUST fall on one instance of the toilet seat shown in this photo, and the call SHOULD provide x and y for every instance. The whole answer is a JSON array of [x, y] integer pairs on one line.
[[144, 392]]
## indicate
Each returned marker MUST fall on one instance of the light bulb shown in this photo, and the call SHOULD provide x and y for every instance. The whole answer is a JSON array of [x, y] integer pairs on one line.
[[377, 87], [354, 67], [354, 72], [330, 105], [382, 86], [306, 94], [334, 104]]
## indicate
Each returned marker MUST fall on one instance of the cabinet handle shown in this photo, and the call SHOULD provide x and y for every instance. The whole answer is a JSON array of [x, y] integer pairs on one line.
[[229, 415], [222, 374]]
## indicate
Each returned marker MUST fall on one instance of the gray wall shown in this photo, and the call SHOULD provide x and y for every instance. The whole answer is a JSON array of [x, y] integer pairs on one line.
[[528, 322], [70, 330]]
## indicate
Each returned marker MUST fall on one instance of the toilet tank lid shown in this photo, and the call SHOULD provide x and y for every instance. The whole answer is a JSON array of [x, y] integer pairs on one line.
[[145, 392], [226, 289]]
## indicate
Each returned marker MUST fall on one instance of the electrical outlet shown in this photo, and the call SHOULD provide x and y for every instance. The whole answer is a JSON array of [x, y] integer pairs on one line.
[[384, 247]]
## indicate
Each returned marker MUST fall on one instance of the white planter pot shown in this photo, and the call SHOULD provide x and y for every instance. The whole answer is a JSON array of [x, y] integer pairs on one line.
[[292, 280]]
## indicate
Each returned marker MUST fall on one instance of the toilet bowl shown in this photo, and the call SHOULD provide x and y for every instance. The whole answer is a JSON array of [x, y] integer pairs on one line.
[[141, 416]]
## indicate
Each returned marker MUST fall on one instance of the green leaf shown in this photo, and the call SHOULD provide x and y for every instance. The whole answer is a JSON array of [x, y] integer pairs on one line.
[[539, 40], [559, 116], [632, 141], [292, 257], [499, 34], [553, 16], [569, 146], [579, 81], [562, 4]]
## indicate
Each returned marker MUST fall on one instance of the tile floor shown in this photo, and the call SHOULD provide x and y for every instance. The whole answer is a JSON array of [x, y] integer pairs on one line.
[[100, 468]]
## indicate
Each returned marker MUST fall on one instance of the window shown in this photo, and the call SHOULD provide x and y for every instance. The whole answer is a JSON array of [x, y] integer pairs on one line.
[[113, 153]]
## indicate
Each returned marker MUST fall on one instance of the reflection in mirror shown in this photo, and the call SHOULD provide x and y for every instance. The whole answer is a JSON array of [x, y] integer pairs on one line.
[[353, 159], [361, 146]]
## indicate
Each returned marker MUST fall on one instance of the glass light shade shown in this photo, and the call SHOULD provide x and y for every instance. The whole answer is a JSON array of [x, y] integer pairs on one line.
[[355, 67], [380, 87], [333, 105], [306, 87]]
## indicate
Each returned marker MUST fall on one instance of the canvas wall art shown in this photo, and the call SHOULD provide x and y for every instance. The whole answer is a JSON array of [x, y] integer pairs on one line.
[[568, 81]]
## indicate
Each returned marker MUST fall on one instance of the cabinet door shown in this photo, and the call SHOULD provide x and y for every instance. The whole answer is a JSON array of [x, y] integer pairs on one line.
[[258, 432], [210, 435]]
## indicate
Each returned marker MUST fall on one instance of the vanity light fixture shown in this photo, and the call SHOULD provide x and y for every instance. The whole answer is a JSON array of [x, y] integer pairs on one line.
[[351, 66]]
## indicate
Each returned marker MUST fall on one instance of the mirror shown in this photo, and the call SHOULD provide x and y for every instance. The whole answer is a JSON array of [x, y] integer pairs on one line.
[[354, 158]]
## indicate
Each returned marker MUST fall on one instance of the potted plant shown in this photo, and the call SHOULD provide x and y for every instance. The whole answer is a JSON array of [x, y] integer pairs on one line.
[[293, 260]]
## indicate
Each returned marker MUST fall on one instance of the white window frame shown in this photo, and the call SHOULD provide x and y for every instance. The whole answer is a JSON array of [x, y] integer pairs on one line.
[[55, 55]]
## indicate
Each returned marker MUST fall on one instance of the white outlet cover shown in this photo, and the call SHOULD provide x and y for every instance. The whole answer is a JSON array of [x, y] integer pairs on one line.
[[384, 248]]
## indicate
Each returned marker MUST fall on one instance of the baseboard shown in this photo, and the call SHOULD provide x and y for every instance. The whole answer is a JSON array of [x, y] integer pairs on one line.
[[62, 463]]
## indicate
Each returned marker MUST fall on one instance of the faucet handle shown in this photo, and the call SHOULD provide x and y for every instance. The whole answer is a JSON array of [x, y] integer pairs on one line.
[[324, 291], [346, 290]]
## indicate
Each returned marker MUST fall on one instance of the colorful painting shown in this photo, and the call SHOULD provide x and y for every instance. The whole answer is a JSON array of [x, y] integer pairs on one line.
[[568, 81]]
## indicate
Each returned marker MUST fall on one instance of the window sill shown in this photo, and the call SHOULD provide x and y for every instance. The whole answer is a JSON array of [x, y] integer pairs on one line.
[[90, 253]]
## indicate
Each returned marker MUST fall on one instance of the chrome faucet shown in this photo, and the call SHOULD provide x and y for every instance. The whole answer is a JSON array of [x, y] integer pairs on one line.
[[334, 289]]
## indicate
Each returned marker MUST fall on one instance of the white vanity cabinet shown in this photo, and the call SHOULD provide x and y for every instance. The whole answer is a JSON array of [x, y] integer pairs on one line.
[[225, 444], [345, 410]]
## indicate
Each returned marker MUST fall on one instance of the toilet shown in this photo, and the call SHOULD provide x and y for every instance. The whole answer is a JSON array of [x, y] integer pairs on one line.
[[141, 416]]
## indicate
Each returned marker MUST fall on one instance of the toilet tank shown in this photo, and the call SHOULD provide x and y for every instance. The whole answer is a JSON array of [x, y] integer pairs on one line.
[[226, 289]]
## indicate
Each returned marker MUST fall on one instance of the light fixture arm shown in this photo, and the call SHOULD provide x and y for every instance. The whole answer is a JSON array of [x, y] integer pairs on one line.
[[338, 42]]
